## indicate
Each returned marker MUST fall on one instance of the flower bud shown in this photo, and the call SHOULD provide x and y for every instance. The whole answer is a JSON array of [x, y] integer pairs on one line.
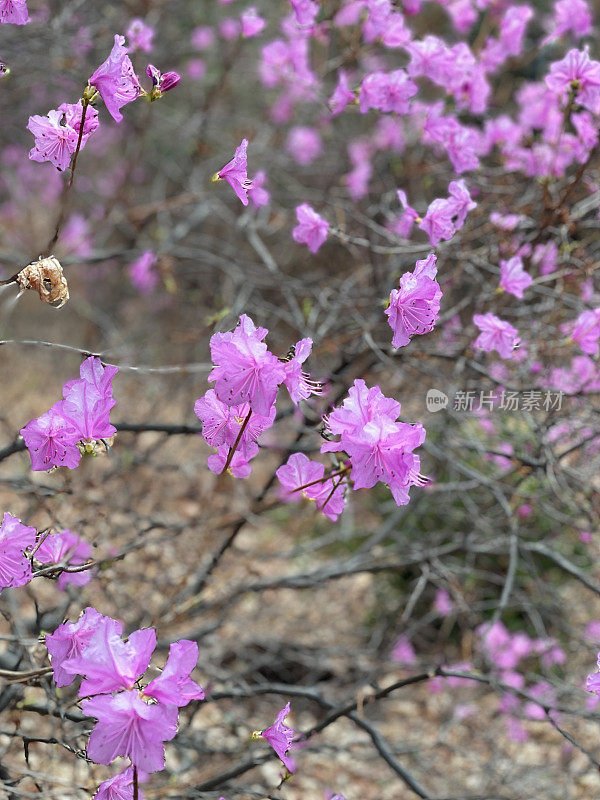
[[161, 82]]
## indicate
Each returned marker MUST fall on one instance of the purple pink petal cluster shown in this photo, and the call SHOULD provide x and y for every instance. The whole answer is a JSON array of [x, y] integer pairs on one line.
[[241, 406], [74, 424], [134, 718]]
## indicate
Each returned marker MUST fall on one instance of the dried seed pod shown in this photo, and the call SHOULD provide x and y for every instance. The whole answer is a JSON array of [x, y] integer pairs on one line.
[[45, 276]]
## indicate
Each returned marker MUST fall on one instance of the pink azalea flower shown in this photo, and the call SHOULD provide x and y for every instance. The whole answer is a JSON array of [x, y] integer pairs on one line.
[[579, 74], [360, 153], [304, 144], [504, 649], [524, 510], [245, 370], [140, 35], [515, 730], [586, 331], [56, 135], [512, 28], [360, 407], [280, 737], [443, 603], [88, 401], [311, 229], [229, 29], [587, 131], [53, 142], [395, 32], [118, 788], [552, 654], [202, 37], [196, 69], [350, 13], [259, 196], [70, 639], [403, 652], [461, 142], [306, 11], [389, 134], [438, 221], [98, 375], [380, 448], [221, 424], [142, 274], [592, 629], [76, 236], [570, 16], [69, 549], [430, 58], [506, 222], [298, 383], [404, 223], [299, 471], [414, 307], [13, 12], [239, 465], [546, 256], [342, 95], [383, 23], [236, 173], [387, 92], [513, 278], [51, 441], [593, 680], [129, 727], [116, 80], [545, 693], [463, 15], [461, 201], [174, 686], [218, 419], [87, 411], [252, 23], [108, 663], [15, 538], [496, 334]]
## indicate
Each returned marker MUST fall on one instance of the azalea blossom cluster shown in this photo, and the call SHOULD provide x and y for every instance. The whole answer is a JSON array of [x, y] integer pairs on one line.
[[506, 652], [426, 117], [21, 546], [427, 100], [134, 718], [246, 377], [77, 423], [373, 447], [57, 134], [63, 132], [510, 657]]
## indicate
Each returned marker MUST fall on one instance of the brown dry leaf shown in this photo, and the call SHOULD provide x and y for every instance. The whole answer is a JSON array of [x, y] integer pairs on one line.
[[45, 276]]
